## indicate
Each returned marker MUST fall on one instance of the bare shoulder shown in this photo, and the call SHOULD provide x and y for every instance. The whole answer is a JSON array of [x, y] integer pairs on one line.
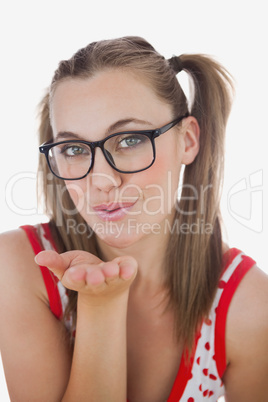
[[247, 340], [31, 337], [250, 302], [18, 267], [14, 245]]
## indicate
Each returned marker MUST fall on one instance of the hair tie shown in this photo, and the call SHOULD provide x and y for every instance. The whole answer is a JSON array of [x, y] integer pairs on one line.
[[176, 64]]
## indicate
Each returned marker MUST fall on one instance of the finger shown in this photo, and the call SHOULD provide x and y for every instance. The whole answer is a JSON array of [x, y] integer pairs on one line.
[[53, 261], [110, 271], [128, 268], [74, 278], [95, 279]]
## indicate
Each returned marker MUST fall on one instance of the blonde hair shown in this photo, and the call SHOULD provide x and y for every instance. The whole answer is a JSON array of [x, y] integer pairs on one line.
[[194, 262]]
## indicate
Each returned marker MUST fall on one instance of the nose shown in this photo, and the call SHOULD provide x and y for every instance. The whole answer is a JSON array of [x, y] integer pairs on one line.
[[102, 175]]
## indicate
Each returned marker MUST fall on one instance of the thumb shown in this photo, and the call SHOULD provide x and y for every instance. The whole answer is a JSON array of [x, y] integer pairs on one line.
[[53, 261]]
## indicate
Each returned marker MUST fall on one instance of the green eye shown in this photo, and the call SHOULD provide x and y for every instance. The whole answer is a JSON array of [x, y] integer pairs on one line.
[[131, 141], [74, 150]]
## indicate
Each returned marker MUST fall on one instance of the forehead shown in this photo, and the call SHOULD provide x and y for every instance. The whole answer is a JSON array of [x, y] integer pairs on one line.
[[104, 98]]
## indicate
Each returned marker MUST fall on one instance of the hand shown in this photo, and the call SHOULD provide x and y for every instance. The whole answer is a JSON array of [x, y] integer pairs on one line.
[[86, 273]]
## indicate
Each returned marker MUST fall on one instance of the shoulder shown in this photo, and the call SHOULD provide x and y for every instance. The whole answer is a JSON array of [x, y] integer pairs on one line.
[[27, 325], [15, 248], [18, 268], [249, 303], [247, 339]]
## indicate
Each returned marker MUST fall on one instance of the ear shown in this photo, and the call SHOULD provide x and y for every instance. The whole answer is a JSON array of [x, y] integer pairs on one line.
[[191, 133]]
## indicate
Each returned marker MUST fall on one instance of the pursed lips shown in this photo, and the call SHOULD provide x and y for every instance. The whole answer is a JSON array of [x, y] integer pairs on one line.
[[113, 211]]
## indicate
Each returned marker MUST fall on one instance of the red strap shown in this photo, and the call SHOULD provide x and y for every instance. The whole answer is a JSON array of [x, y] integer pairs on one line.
[[50, 279], [228, 258], [184, 374], [223, 306]]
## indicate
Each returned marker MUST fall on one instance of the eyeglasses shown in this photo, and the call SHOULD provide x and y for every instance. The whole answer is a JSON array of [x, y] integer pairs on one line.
[[126, 152]]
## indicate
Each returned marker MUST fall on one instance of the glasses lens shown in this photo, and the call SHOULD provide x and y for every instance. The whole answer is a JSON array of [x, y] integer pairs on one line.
[[129, 152], [70, 160]]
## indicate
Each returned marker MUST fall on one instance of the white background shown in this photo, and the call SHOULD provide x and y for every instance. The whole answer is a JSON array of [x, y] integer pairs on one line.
[[35, 35]]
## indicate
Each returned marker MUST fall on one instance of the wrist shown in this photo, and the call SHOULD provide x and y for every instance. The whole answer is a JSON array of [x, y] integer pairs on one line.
[[99, 302]]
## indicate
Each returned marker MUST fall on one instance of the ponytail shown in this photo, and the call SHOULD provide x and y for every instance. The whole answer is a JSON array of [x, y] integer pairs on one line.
[[193, 283]]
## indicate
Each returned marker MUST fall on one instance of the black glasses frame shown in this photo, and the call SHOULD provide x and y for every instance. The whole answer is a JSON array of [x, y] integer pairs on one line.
[[151, 134]]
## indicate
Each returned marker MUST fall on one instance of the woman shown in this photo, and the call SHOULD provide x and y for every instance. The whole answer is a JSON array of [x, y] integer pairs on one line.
[[134, 286]]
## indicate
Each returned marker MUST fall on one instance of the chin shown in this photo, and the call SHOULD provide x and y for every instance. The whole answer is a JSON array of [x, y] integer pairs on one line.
[[126, 233], [118, 241], [118, 236]]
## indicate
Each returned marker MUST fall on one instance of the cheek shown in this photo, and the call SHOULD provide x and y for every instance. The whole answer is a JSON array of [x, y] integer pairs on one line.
[[77, 190], [167, 166], [160, 184]]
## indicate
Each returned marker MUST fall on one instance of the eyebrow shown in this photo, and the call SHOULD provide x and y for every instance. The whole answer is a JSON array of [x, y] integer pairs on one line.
[[112, 129]]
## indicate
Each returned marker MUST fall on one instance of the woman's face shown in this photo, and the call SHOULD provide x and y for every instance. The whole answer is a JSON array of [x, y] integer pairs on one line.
[[120, 208]]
